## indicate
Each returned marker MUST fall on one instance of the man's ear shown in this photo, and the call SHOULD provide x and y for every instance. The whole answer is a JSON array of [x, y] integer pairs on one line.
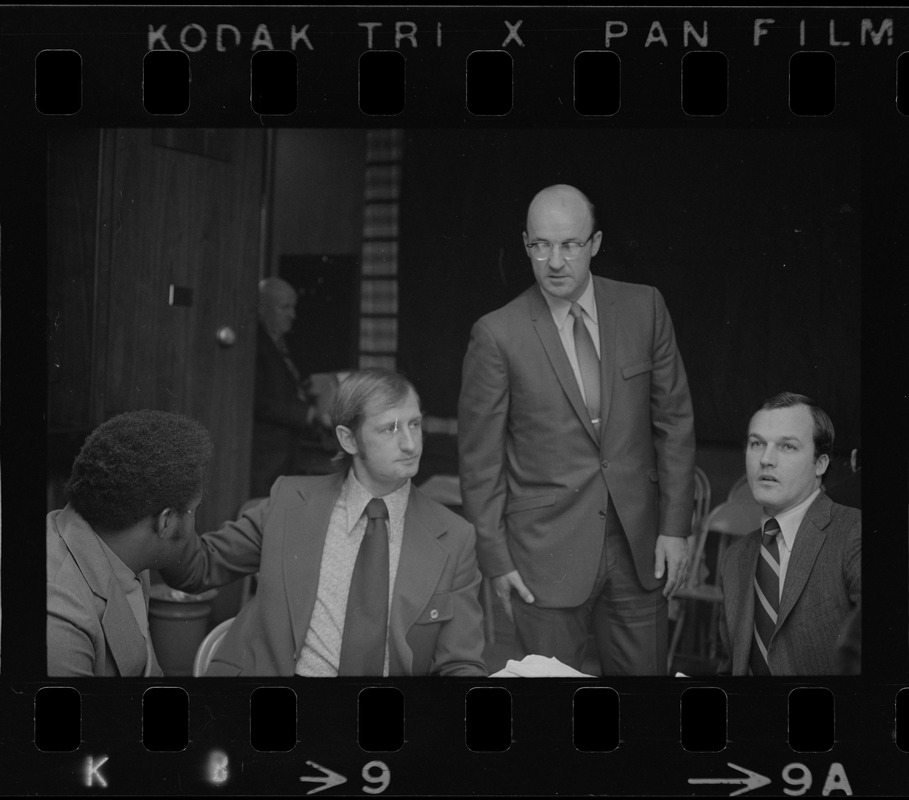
[[346, 439], [595, 245], [164, 521], [820, 465]]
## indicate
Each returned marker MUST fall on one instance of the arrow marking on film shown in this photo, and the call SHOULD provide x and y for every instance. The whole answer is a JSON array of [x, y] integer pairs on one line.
[[751, 781], [329, 779]]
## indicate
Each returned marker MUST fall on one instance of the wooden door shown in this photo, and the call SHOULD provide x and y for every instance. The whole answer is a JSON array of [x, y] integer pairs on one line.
[[178, 259]]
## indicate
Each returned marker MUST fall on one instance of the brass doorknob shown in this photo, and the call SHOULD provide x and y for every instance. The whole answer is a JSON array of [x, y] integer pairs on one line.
[[226, 336]]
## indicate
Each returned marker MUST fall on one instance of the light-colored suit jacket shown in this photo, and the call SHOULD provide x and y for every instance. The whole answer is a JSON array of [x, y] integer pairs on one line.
[[91, 629], [823, 585], [534, 473], [435, 619]]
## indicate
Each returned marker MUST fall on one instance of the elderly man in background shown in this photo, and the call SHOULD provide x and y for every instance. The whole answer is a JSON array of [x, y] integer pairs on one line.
[[285, 414], [132, 495]]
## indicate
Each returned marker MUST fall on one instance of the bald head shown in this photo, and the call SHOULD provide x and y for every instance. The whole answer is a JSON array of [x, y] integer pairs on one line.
[[564, 199], [277, 306], [561, 237]]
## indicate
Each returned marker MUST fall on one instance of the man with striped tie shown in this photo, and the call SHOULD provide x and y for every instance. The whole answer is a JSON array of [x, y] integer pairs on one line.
[[789, 587]]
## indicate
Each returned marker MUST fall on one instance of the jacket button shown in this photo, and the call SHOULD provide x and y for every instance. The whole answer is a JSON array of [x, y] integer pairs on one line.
[[434, 614], [602, 514], [604, 463]]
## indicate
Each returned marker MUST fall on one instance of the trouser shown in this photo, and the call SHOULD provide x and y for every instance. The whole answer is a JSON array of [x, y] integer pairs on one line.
[[630, 624]]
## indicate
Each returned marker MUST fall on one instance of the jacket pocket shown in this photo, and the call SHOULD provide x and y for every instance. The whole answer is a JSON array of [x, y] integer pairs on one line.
[[636, 369], [440, 609], [525, 503]]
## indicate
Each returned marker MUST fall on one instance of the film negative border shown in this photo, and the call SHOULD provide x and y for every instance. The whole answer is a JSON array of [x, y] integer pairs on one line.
[[527, 738], [519, 740], [842, 64]]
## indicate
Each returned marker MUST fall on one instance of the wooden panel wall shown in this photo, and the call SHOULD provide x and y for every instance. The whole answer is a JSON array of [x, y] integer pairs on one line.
[[189, 219], [71, 232]]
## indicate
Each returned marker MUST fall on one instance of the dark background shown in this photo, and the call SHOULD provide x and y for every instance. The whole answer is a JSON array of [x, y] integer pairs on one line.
[[752, 236]]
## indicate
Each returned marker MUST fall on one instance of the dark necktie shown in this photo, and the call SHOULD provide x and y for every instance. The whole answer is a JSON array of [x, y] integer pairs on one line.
[[588, 363], [366, 621], [766, 597]]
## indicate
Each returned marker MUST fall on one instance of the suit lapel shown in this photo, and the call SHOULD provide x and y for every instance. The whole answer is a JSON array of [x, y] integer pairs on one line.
[[82, 542], [156, 671], [809, 539], [606, 321], [541, 317], [419, 571], [743, 611], [125, 641], [304, 527], [121, 631]]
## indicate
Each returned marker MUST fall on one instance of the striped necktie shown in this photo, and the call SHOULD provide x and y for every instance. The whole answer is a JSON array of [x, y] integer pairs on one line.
[[766, 597], [589, 364]]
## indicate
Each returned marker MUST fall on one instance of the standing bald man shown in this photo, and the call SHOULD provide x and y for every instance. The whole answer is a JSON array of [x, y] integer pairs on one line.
[[576, 442], [284, 413]]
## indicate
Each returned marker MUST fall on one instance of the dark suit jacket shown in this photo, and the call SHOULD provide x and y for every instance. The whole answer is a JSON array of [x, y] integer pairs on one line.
[[91, 630], [823, 585], [435, 621], [534, 474], [280, 417]]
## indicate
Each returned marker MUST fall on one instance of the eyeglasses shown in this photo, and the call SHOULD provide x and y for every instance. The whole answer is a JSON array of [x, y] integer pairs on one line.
[[541, 250]]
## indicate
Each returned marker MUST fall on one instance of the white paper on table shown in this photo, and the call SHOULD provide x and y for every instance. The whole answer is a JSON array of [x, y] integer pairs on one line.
[[534, 666]]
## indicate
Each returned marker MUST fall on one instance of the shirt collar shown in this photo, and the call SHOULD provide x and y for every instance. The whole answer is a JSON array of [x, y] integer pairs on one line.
[[356, 497], [791, 520], [559, 306]]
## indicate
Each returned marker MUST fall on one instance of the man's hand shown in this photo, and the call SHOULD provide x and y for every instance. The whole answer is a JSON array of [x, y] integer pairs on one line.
[[503, 585], [672, 554]]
